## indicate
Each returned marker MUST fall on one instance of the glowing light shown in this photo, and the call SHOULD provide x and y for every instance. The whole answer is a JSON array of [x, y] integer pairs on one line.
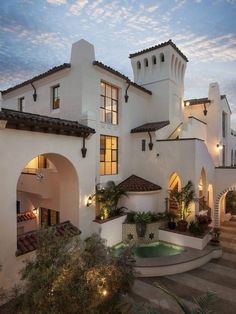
[[219, 146], [104, 292]]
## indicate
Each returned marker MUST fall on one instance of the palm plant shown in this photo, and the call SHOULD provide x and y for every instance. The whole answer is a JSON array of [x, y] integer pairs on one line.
[[108, 198], [183, 199]]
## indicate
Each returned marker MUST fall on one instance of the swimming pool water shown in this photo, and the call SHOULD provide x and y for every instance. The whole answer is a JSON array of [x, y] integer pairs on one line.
[[155, 249]]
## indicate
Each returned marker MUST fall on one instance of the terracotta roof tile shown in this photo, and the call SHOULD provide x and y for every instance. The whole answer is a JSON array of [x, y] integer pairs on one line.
[[25, 216], [169, 42], [38, 123], [38, 77], [28, 242], [124, 77], [137, 184], [150, 127]]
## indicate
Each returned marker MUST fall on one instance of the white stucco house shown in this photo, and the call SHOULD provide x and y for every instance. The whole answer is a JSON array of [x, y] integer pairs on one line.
[[84, 123]]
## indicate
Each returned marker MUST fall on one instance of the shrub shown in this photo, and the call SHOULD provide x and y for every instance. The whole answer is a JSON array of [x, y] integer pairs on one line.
[[72, 276], [195, 228]]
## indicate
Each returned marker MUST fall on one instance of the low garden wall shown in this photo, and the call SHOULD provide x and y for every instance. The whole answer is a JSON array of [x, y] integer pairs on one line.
[[184, 239], [129, 233], [110, 229]]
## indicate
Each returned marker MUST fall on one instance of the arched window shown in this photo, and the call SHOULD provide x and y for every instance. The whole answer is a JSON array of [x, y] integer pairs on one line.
[[182, 73], [232, 157], [154, 60], [138, 65], [176, 62], [162, 57], [179, 74], [172, 64], [146, 62]]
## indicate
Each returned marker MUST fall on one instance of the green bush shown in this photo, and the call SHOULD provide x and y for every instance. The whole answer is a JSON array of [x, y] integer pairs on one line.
[[72, 276], [195, 228]]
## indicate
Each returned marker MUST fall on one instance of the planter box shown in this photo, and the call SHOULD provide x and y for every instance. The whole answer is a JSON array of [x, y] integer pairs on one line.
[[184, 240], [129, 233], [110, 229]]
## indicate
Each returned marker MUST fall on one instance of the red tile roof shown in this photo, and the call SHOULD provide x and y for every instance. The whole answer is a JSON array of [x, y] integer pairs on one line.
[[38, 77], [150, 127], [124, 77], [169, 42], [138, 184], [38, 123], [25, 216], [28, 242]]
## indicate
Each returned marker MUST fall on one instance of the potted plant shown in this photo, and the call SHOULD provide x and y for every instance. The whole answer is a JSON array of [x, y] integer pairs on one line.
[[171, 216], [203, 220], [141, 220], [183, 198], [215, 233]]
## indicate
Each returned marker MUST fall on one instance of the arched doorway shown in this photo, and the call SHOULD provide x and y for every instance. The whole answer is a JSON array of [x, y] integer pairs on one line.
[[173, 185], [47, 193], [225, 204]]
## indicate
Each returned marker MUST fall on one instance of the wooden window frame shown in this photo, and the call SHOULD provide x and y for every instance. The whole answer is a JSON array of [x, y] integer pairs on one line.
[[55, 97], [104, 151], [104, 99]]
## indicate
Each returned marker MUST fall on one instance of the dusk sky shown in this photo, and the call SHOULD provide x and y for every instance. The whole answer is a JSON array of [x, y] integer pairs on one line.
[[36, 35]]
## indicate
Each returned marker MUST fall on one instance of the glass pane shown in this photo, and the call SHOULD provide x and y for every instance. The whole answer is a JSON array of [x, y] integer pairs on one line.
[[102, 102], [102, 168], [114, 155], [108, 142], [102, 88], [114, 168], [114, 142], [102, 141], [108, 155], [114, 93], [108, 90], [108, 103], [102, 115], [108, 116], [102, 155], [114, 105], [108, 168], [114, 117]]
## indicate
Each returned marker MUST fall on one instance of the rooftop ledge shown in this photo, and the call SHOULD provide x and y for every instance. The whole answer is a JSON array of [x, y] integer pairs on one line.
[[180, 139]]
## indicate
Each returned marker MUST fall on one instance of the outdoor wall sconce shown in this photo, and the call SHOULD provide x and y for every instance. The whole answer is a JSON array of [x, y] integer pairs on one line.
[[205, 110], [34, 94], [84, 149], [89, 201], [219, 146], [126, 92]]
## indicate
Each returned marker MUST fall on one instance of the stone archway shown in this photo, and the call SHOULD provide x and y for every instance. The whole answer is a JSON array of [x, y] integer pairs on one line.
[[217, 211]]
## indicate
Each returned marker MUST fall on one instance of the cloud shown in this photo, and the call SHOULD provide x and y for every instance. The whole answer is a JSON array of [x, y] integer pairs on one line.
[[57, 2], [76, 8]]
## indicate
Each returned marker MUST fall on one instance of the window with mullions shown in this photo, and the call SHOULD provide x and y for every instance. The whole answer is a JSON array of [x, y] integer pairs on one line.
[[109, 104], [108, 155], [55, 97]]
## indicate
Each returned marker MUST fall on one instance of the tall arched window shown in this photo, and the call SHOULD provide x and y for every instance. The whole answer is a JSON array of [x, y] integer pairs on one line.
[[172, 64], [146, 62], [138, 65], [154, 60], [162, 57]]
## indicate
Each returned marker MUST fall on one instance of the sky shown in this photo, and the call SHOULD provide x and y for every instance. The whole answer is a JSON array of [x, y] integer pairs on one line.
[[36, 35]]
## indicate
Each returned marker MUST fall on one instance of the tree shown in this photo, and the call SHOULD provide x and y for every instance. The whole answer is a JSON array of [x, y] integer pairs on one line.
[[73, 276], [230, 202]]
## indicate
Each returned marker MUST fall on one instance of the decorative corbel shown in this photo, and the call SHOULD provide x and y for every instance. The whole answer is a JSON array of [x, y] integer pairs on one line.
[[84, 149], [126, 91], [34, 94], [150, 144]]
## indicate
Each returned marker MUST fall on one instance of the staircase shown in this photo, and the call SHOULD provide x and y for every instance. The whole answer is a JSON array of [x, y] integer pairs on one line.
[[228, 236]]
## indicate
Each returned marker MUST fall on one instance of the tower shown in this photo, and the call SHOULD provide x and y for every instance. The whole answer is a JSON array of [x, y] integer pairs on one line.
[[161, 69]]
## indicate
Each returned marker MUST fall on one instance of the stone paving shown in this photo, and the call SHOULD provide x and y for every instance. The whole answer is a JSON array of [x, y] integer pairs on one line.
[[219, 276]]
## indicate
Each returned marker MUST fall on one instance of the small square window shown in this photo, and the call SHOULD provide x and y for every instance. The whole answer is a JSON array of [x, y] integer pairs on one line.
[[56, 97]]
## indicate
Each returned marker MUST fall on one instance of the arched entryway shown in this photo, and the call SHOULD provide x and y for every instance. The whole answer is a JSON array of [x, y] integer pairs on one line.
[[47, 193], [174, 185], [221, 205]]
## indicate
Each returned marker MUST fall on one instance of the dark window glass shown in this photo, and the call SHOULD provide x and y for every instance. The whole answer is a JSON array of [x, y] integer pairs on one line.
[[143, 145], [21, 103], [56, 97]]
